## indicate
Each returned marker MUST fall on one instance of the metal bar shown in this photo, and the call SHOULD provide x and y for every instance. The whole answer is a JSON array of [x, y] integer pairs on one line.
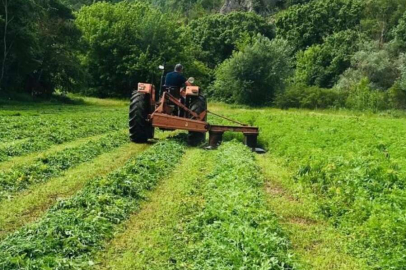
[[228, 119], [245, 130], [166, 121], [174, 100]]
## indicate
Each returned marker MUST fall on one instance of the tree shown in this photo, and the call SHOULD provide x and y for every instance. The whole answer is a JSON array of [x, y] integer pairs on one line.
[[308, 24], [218, 35], [400, 33], [254, 75], [77, 4], [57, 60], [380, 17], [126, 42], [373, 63], [18, 40], [321, 65]]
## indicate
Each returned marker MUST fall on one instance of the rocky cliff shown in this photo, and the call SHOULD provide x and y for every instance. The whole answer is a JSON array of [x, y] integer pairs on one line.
[[259, 6], [237, 5]]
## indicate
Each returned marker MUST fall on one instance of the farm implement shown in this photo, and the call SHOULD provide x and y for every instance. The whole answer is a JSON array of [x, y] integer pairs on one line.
[[180, 109]]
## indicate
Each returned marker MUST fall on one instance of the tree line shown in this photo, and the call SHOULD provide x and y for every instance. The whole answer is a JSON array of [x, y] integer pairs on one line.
[[292, 53]]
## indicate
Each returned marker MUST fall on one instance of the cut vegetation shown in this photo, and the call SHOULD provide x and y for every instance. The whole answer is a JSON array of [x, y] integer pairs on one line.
[[327, 195]]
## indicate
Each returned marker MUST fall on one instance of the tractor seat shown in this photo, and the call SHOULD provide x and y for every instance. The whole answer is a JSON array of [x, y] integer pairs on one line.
[[173, 90]]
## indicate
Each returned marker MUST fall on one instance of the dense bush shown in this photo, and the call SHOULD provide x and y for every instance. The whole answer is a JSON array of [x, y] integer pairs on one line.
[[253, 75], [321, 65], [305, 25], [362, 97], [374, 63], [218, 35], [310, 97]]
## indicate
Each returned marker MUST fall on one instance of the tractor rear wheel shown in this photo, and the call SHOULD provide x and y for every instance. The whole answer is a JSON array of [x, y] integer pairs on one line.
[[198, 106], [140, 129]]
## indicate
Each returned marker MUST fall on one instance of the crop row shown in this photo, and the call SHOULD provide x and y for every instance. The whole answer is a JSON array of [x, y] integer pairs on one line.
[[46, 167], [17, 127], [57, 132], [234, 229], [74, 229], [355, 166]]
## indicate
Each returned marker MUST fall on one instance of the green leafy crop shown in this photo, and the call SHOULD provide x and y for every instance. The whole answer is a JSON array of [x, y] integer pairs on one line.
[[234, 229], [73, 229], [19, 178]]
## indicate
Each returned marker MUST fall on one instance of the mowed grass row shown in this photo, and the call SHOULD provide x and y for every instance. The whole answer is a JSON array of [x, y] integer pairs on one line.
[[74, 229], [52, 165], [211, 214], [29, 205], [30, 134], [355, 167]]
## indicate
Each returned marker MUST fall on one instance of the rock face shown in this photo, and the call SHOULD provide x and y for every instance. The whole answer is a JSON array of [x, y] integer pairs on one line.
[[237, 5]]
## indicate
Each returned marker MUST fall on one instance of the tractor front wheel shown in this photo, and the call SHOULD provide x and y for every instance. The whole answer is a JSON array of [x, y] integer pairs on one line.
[[140, 129], [198, 106]]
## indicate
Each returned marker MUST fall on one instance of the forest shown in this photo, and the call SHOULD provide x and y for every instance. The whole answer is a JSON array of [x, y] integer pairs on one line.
[[286, 53]]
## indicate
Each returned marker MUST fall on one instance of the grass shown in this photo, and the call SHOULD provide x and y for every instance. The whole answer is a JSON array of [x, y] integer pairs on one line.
[[353, 165], [145, 240], [73, 229], [19, 178], [203, 217], [318, 245], [328, 195], [31, 204]]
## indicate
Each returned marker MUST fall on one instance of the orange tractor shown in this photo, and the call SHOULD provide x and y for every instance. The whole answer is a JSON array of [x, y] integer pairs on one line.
[[183, 109]]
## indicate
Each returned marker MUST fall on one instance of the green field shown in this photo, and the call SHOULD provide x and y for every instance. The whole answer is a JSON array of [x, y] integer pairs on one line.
[[76, 194]]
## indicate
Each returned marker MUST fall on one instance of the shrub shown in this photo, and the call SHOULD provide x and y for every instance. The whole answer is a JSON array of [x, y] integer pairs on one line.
[[322, 65], [313, 97], [362, 97], [397, 97], [253, 75]]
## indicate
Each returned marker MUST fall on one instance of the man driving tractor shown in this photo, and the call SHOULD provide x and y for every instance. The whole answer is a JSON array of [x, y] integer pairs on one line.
[[175, 83], [176, 79]]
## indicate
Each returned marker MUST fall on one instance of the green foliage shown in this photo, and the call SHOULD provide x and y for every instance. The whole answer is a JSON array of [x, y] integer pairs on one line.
[[38, 41], [310, 97], [234, 229], [254, 75], [353, 166], [400, 33], [362, 97], [374, 63], [321, 65], [218, 35], [75, 228], [308, 24], [380, 18], [126, 43], [77, 4], [397, 97]]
